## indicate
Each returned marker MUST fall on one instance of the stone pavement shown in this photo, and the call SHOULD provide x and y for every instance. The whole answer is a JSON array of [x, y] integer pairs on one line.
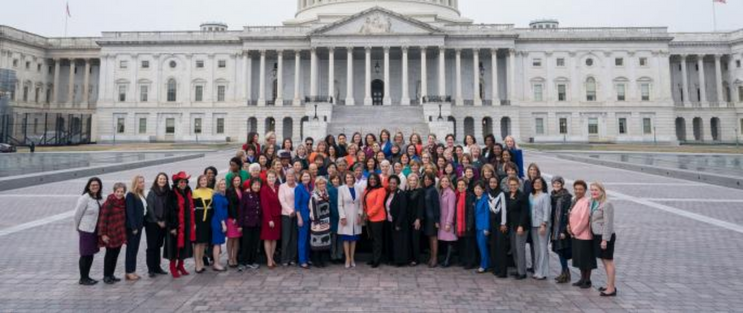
[[677, 250]]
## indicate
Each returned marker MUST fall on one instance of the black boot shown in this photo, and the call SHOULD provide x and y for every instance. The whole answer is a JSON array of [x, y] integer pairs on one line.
[[447, 259]]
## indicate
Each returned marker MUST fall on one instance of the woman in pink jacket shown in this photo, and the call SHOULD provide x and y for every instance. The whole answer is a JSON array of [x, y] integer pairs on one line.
[[579, 228], [448, 201]]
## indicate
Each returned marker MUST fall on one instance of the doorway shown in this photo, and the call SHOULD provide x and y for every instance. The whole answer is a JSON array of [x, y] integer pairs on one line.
[[377, 88]]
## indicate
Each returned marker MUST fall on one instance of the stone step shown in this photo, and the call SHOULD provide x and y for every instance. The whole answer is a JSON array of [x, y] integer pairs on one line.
[[372, 119]]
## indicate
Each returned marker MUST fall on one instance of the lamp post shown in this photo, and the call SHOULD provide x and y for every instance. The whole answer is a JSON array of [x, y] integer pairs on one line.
[[441, 118], [315, 117], [655, 139], [737, 142]]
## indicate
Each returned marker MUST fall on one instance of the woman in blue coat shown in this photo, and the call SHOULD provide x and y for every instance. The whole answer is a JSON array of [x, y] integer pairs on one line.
[[482, 226], [219, 222], [516, 153], [301, 204]]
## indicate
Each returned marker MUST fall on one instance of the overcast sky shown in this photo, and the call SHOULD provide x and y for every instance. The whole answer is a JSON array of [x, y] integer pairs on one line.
[[90, 17]]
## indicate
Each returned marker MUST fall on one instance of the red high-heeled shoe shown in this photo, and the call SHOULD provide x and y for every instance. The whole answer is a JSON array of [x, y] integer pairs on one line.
[[182, 269], [173, 270]]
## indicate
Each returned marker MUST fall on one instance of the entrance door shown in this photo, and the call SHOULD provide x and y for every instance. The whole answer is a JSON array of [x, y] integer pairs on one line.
[[377, 92]]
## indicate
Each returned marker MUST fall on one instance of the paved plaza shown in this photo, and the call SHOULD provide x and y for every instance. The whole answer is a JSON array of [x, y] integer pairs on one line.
[[679, 249]]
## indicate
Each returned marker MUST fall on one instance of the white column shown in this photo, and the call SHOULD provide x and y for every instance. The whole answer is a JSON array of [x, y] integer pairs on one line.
[[367, 76], [262, 80], [387, 97], [55, 90], [684, 81], [718, 78], [349, 76], [86, 82], [458, 74], [244, 75], [512, 75], [331, 74], [476, 81], [405, 99], [249, 76], [279, 78], [71, 83], [731, 79], [442, 72], [313, 73], [297, 66], [494, 69], [424, 76], [702, 83], [158, 78]]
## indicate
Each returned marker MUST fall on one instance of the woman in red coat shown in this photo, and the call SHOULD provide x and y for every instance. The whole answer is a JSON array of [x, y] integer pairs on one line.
[[112, 230], [271, 217]]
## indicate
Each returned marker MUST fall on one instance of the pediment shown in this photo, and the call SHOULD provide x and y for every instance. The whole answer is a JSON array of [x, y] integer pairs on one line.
[[376, 22]]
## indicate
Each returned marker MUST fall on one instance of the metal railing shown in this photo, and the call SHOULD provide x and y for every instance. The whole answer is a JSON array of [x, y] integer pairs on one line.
[[445, 99]]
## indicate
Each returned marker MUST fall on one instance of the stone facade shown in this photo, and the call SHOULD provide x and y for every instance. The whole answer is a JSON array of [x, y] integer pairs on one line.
[[543, 83]]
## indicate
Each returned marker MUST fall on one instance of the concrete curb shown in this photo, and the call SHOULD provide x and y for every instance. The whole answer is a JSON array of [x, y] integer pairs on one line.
[[714, 179], [21, 181]]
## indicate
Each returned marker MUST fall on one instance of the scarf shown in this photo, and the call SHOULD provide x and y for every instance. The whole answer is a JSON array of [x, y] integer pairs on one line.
[[181, 218], [461, 203], [205, 196], [495, 203]]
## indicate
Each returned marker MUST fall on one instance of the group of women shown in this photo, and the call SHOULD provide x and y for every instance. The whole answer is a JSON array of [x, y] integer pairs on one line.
[[452, 203]]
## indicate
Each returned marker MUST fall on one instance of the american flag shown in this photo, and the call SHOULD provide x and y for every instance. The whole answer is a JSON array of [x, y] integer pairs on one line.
[[720, 1], [70, 15]]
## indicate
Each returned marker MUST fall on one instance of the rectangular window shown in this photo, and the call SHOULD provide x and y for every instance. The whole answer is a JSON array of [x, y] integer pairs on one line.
[[142, 125], [560, 62], [199, 64], [645, 91], [145, 64], [197, 125], [28, 65], [199, 94], [222, 63], [220, 125], [143, 93], [120, 125], [539, 125], [562, 92], [38, 67], [740, 93], [221, 93], [621, 92], [593, 125], [170, 126], [37, 94], [563, 125], [122, 93], [536, 62], [537, 92], [25, 93], [123, 64], [647, 126], [643, 61], [622, 125], [15, 63], [619, 61]]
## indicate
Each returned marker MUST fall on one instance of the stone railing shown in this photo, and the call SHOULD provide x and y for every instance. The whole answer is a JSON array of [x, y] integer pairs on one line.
[[479, 28], [505, 102], [275, 30], [74, 43], [317, 99], [52, 43], [171, 36], [600, 32]]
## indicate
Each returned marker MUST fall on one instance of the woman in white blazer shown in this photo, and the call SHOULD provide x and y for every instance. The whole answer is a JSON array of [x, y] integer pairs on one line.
[[349, 211]]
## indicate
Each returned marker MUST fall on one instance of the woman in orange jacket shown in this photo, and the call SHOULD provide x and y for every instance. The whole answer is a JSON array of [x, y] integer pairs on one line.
[[375, 215]]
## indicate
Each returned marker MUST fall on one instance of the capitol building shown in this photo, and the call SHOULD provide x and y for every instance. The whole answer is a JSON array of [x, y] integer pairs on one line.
[[362, 65]]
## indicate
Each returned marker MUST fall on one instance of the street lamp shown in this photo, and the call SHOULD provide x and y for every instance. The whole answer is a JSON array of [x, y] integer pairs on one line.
[[315, 117], [441, 118], [655, 139], [376, 67]]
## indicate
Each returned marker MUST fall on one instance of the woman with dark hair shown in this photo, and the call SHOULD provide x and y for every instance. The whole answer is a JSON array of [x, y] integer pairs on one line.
[[532, 173], [469, 141], [250, 225], [517, 205], [417, 142], [236, 169], [540, 213], [157, 205], [482, 225], [211, 176], [287, 146], [234, 195], [498, 228], [86, 215], [384, 142], [112, 230], [342, 145], [370, 167], [487, 151], [396, 206], [579, 227], [375, 214], [180, 225], [432, 216], [464, 225], [302, 195], [412, 152], [449, 141], [506, 158], [560, 201], [271, 217], [356, 139], [369, 141], [253, 141]]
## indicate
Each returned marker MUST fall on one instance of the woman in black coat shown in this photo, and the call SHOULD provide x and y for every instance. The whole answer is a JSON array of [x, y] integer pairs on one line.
[[498, 228], [157, 204], [432, 216], [517, 206], [561, 243], [398, 207], [416, 206]]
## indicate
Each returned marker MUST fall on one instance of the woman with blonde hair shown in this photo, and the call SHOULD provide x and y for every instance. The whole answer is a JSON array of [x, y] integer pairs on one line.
[[219, 222], [446, 234], [203, 212], [602, 226], [136, 209], [516, 153]]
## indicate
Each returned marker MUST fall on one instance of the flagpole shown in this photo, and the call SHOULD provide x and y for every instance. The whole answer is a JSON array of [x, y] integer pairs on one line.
[[66, 17], [714, 16]]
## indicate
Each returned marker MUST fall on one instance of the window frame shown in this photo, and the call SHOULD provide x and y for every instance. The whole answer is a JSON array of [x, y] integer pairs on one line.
[[539, 125], [221, 93], [647, 126], [622, 126], [593, 125], [142, 127]]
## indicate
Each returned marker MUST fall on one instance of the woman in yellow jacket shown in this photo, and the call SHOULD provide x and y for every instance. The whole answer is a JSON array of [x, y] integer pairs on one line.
[[375, 215]]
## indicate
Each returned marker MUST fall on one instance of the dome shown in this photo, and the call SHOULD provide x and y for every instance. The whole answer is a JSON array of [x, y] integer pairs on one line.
[[328, 11]]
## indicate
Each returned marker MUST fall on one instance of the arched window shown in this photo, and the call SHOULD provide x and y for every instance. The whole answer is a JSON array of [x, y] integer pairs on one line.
[[252, 125], [487, 126], [681, 129], [270, 124], [505, 127], [697, 128], [714, 126], [453, 122], [288, 127], [171, 90], [590, 89], [301, 126], [469, 126]]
